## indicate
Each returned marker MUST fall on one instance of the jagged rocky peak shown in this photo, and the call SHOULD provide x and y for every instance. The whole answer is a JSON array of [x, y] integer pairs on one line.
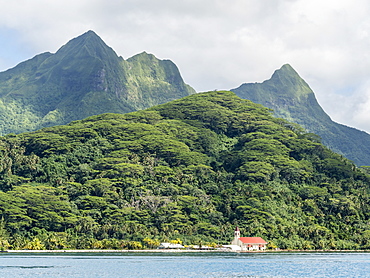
[[287, 77], [286, 70], [89, 44]]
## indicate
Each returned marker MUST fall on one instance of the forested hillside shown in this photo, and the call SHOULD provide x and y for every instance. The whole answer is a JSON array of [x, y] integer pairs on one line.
[[191, 170]]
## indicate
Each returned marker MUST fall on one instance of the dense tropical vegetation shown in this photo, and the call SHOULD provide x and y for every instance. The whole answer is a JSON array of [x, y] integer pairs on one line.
[[188, 170]]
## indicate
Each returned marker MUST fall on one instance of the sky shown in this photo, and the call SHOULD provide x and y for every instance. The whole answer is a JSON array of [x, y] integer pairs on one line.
[[217, 44]]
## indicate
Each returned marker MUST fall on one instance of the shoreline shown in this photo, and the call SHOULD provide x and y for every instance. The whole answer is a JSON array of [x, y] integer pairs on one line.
[[117, 251], [181, 251]]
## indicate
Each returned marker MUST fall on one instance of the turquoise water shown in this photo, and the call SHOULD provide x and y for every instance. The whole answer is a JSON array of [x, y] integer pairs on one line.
[[261, 265]]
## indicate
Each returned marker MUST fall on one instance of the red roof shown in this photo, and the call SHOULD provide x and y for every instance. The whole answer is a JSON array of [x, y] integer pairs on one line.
[[237, 229], [252, 240]]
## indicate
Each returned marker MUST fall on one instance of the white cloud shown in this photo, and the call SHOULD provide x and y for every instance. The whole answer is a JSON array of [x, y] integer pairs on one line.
[[217, 44]]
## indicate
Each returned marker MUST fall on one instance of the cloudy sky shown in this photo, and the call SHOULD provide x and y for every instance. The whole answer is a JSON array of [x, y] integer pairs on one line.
[[217, 44]]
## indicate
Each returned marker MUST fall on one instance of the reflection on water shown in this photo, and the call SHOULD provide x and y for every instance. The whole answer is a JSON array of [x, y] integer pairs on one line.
[[261, 265]]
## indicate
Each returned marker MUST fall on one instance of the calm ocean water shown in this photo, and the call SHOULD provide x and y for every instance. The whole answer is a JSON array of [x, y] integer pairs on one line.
[[261, 265]]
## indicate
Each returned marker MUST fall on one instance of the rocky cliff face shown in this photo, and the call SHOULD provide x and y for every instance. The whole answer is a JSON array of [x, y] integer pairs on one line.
[[84, 77]]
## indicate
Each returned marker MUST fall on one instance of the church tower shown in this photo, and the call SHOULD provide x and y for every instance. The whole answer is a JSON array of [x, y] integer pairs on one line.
[[237, 232], [236, 236]]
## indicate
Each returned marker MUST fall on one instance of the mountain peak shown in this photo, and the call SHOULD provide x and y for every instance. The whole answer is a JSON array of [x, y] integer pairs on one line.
[[87, 38], [286, 76], [90, 33], [287, 67], [89, 44], [285, 83], [288, 95], [84, 77], [288, 70], [292, 99]]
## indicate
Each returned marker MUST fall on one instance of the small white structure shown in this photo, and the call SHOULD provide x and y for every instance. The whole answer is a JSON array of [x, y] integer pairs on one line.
[[167, 245], [231, 247], [248, 243], [203, 247]]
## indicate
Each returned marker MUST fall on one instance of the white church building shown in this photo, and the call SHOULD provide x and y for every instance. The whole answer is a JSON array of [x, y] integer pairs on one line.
[[247, 243]]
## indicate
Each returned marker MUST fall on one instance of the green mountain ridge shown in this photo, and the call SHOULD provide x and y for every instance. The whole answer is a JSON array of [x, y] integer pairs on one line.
[[188, 170], [84, 77], [291, 98]]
